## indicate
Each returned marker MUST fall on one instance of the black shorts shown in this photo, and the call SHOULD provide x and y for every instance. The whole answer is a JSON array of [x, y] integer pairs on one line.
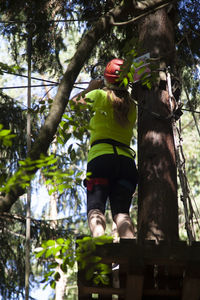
[[122, 177]]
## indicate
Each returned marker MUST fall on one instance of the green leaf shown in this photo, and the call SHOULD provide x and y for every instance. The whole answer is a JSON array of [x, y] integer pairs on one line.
[[60, 241], [67, 242], [104, 279], [96, 280], [59, 140], [70, 148], [73, 155], [93, 259], [47, 275], [125, 81], [52, 284], [39, 254], [53, 265], [130, 77], [63, 267], [49, 252], [104, 239], [89, 273], [4, 132], [56, 250], [50, 243], [57, 276]]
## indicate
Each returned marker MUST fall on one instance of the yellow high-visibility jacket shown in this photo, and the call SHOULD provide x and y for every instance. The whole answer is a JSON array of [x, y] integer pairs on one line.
[[104, 126]]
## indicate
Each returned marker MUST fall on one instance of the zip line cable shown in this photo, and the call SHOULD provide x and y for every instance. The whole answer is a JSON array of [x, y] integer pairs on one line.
[[34, 85], [35, 78], [46, 21], [51, 83], [26, 86], [41, 21]]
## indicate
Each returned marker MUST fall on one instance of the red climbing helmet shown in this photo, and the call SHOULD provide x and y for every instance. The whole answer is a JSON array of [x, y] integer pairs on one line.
[[112, 70]]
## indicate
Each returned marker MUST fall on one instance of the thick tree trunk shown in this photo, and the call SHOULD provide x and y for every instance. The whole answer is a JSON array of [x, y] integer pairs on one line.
[[157, 203]]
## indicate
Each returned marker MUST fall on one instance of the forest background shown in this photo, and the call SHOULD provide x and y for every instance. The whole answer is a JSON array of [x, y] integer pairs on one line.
[[57, 30]]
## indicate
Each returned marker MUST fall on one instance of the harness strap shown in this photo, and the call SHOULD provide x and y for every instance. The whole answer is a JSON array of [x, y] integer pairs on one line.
[[114, 144], [91, 182]]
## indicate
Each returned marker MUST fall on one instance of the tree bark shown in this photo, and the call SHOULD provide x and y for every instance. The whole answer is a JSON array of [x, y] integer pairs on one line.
[[157, 190]]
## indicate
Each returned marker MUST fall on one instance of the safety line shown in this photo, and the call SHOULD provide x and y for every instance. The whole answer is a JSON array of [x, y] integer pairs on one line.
[[45, 21], [25, 76], [26, 86]]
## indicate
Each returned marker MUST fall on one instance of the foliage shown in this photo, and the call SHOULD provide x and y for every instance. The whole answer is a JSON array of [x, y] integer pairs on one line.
[[12, 262], [6, 136], [189, 30], [65, 253], [60, 180], [74, 124], [12, 244], [134, 69], [94, 269], [10, 69], [13, 118]]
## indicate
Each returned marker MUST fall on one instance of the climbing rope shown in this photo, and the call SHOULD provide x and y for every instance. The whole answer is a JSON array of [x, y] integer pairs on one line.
[[185, 196], [189, 211]]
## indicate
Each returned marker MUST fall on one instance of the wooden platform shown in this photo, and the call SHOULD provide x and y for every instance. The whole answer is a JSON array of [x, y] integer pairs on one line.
[[148, 272]]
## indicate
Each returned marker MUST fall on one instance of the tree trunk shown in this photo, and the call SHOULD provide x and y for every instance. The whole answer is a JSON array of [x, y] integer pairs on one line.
[[62, 282], [157, 190]]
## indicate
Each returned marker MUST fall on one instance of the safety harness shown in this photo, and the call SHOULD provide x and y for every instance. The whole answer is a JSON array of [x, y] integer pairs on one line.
[[91, 182], [114, 144]]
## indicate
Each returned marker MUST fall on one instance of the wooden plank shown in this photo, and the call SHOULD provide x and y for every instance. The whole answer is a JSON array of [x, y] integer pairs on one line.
[[174, 261], [86, 290], [82, 295], [178, 253], [134, 287], [104, 297], [163, 292], [191, 289]]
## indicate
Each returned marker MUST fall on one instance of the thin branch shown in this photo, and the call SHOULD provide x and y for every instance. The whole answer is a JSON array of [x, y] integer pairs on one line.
[[149, 11], [22, 219], [14, 233]]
